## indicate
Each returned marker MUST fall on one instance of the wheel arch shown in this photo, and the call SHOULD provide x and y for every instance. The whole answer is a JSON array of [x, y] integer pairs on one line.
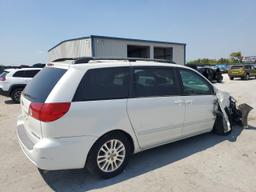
[[13, 87], [116, 131]]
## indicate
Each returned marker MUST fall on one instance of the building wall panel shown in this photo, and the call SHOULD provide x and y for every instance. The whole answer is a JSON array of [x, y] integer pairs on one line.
[[118, 48], [75, 48]]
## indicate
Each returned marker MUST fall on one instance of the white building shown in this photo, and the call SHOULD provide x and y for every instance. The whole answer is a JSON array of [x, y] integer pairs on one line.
[[249, 59], [113, 47]]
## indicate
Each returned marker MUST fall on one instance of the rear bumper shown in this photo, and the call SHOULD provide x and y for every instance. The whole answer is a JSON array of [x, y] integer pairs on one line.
[[4, 93], [55, 153], [236, 74]]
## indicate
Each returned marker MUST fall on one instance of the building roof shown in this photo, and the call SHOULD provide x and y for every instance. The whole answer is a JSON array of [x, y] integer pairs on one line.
[[116, 38]]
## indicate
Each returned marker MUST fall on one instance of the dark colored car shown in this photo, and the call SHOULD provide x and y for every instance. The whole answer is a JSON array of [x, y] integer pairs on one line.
[[213, 74], [223, 67]]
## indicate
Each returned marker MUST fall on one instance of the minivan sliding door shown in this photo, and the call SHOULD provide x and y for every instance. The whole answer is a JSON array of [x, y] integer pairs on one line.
[[155, 109]]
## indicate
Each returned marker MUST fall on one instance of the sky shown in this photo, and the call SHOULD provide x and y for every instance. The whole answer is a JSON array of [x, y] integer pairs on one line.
[[210, 28]]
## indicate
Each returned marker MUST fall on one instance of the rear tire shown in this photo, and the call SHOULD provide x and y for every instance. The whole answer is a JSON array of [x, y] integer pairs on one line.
[[108, 156], [219, 80], [15, 94]]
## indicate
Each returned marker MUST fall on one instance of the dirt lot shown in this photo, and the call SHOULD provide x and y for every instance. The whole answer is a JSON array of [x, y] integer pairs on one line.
[[202, 163]]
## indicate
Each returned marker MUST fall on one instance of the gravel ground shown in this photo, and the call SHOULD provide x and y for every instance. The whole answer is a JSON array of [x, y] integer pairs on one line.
[[202, 163]]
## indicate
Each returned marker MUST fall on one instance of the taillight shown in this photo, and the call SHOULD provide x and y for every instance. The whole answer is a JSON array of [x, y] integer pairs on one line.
[[48, 112], [2, 78]]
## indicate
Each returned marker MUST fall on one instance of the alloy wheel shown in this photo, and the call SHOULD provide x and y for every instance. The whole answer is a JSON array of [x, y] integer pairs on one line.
[[111, 155]]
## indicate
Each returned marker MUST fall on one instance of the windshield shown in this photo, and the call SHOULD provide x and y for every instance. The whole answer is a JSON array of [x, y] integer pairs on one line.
[[42, 84], [237, 67]]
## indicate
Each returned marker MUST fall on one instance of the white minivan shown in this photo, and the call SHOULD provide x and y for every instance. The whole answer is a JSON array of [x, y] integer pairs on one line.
[[95, 114]]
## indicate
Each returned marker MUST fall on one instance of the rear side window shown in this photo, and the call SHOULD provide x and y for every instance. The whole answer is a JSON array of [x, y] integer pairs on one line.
[[26, 73], [102, 84], [42, 84], [152, 82]]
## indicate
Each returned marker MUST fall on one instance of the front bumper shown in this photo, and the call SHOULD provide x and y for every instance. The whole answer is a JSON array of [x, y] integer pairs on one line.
[[231, 113], [55, 153]]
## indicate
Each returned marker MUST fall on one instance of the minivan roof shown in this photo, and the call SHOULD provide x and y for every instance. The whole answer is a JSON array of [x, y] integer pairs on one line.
[[78, 60], [114, 63]]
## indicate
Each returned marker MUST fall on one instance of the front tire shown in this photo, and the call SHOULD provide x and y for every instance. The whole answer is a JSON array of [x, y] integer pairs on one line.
[[109, 155], [15, 95]]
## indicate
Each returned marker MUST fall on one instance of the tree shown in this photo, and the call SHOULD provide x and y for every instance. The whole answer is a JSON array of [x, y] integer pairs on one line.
[[204, 61], [223, 61], [236, 57]]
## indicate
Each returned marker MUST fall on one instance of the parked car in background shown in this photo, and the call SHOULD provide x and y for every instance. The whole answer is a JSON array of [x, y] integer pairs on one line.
[[223, 67], [95, 114], [37, 65], [13, 81], [242, 71], [212, 73]]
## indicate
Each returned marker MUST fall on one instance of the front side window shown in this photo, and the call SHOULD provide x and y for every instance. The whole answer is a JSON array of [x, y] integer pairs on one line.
[[152, 82], [194, 84], [102, 84]]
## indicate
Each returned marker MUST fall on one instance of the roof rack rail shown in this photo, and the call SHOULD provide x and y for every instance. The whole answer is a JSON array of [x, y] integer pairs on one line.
[[64, 59], [80, 60]]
